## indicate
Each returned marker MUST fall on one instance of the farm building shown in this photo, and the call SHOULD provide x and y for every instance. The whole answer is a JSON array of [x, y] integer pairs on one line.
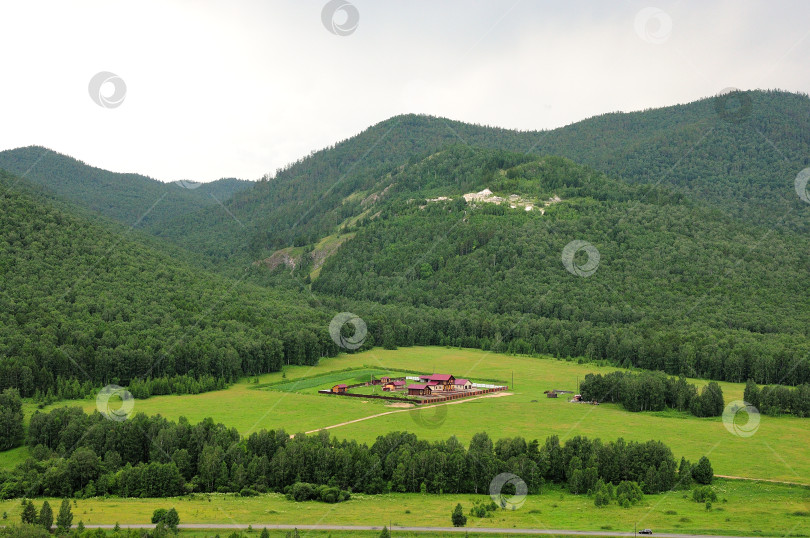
[[397, 384], [418, 389], [446, 381], [462, 384], [385, 380], [339, 389]]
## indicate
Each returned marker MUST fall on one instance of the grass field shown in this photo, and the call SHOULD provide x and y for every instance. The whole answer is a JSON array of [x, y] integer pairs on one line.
[[751, 509], [777, 451], [327, 381]]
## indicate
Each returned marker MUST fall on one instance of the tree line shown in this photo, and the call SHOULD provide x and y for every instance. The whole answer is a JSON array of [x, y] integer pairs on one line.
[[653, 391], [84, 455], [11, 419], [779, 400]]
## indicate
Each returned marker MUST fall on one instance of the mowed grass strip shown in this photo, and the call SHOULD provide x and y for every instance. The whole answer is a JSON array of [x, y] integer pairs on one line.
[[328, 380], [778, 450], [749, 509]]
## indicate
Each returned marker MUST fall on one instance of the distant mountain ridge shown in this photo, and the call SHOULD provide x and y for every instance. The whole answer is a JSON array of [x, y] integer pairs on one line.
[[738, 153], [126, 198]]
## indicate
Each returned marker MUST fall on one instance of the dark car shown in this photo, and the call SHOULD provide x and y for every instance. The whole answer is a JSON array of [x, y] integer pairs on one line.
[[645, 531]]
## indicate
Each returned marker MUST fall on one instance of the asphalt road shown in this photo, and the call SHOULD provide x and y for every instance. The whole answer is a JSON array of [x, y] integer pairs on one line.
[[481, 530]]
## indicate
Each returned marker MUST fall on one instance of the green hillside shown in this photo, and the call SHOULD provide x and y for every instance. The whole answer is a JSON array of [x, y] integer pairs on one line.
[[82, 301], [693, 210], [127, 198], [678, 287], [742, 161]]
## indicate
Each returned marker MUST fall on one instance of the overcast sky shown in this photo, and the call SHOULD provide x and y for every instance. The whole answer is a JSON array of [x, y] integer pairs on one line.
[[240, 88]]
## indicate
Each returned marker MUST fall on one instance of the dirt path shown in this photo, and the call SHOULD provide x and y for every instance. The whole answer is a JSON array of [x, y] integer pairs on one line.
[[493, 395], [760, 480]]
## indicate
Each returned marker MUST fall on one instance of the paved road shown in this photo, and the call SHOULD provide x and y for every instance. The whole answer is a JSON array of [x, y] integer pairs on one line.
[[481, 530]]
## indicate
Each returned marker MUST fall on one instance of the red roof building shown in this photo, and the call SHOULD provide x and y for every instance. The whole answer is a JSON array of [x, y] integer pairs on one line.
[[418, 389]]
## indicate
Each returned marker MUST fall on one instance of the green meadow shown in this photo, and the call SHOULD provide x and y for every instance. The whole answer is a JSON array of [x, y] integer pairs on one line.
[[777, 451], [743, 508]]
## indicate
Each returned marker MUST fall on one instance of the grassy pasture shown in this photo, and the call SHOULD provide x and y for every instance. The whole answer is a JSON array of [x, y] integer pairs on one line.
[[777, 451], [750, 509]]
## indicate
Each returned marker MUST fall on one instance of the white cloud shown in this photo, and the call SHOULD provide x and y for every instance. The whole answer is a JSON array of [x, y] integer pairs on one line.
[[241, 88]]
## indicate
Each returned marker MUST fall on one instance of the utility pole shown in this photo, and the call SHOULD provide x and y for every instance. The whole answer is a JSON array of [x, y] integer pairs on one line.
[[513, 380]]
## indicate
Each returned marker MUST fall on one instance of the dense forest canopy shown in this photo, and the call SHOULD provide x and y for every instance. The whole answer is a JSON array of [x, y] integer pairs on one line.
[[87, 455], [701, 237], [127, 198], [743, 164], [82, 301], [678, 288]]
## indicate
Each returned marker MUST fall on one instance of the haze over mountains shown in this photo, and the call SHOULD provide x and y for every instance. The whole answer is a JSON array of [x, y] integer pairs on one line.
[[127, 198], [703, 246]]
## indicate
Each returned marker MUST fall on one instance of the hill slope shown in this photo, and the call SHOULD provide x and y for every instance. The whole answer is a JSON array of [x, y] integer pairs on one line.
[[127, 198], [81, 301], [675, 286], [742, 162]]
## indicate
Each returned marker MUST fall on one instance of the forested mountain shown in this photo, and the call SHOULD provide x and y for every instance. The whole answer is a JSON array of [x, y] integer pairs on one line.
[[702, 240], [739, 153], [678, 287], [82, 301], [127, 198]]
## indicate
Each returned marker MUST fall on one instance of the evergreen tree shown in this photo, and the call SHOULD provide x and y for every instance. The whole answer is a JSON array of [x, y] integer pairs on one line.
[[684, 474], [29, 512], [46, 516], [384, 533], [458, 517], [65, 518]]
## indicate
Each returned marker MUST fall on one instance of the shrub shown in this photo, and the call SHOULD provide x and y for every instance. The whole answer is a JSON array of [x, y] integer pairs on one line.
[[704, 494], [628, 493], [458, 517], [303, 491], [247, 492], [24, 531], [703, 473]]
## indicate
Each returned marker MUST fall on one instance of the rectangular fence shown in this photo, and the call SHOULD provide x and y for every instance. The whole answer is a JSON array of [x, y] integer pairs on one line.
[[429, 400]]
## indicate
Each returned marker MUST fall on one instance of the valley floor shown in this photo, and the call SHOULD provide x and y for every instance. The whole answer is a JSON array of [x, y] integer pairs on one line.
[[744, 508], [777, 451]]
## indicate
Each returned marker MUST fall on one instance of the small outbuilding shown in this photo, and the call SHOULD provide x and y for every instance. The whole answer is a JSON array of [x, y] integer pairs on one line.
[[339, 389], [418, 389], [462, 384]]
